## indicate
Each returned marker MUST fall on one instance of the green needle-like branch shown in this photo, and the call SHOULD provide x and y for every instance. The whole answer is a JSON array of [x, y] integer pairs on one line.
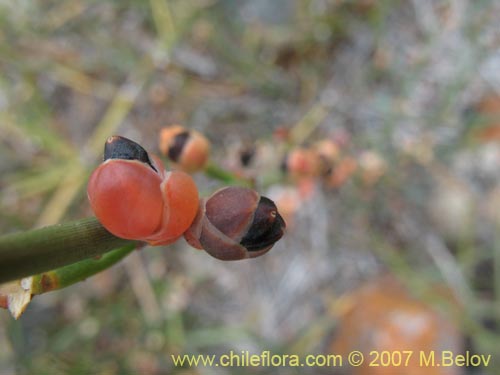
[[214, 171], [35, 251], [68, 275]]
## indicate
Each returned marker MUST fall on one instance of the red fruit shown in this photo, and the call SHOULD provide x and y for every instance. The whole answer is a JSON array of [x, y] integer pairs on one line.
[[134, 197]]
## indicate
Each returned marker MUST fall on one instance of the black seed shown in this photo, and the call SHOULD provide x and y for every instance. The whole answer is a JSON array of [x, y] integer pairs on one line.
[[118, 147], [267, 227], [246, 155], [175, 150], [284, 164]]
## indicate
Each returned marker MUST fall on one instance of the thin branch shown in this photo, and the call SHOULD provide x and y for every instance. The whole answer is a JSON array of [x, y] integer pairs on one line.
[[71, 274], [212, 170], [35, 251]]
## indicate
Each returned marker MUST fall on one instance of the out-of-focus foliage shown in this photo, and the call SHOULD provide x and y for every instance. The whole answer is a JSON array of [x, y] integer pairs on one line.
[[408, 90]]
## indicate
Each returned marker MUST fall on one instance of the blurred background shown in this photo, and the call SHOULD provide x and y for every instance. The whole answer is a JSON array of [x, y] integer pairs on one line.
[[398, 250]]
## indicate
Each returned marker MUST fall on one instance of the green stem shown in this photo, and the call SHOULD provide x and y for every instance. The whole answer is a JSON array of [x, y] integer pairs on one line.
[[68, 275], [40, 250], [214, 171]]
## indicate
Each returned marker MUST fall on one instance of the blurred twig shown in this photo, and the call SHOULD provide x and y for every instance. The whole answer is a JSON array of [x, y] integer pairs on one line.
[[63, 13], [311, 120], [164, 22], [143, 291], [449, 268], [79, 81], [76, 174]]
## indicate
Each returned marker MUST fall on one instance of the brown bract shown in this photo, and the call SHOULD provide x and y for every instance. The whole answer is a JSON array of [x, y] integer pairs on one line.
[[236, 223]]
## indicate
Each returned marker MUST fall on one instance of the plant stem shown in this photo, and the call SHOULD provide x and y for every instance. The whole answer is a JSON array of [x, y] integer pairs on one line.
[[40, 250], [214, 171], [68, 275]]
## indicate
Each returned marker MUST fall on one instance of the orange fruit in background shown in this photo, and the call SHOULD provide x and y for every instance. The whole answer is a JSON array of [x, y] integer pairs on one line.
[[488, 112], [382, 316]]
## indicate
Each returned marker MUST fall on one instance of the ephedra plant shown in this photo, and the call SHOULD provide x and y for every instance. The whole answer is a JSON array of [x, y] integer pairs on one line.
[[136, 201]]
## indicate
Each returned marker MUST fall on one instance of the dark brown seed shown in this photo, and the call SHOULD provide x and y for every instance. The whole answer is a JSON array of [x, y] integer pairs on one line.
[[178, 144], [247, 154], [267, 227]]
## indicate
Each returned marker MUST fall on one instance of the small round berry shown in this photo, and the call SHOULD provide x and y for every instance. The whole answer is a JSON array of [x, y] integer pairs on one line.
[[189, 150], [134, 197]]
